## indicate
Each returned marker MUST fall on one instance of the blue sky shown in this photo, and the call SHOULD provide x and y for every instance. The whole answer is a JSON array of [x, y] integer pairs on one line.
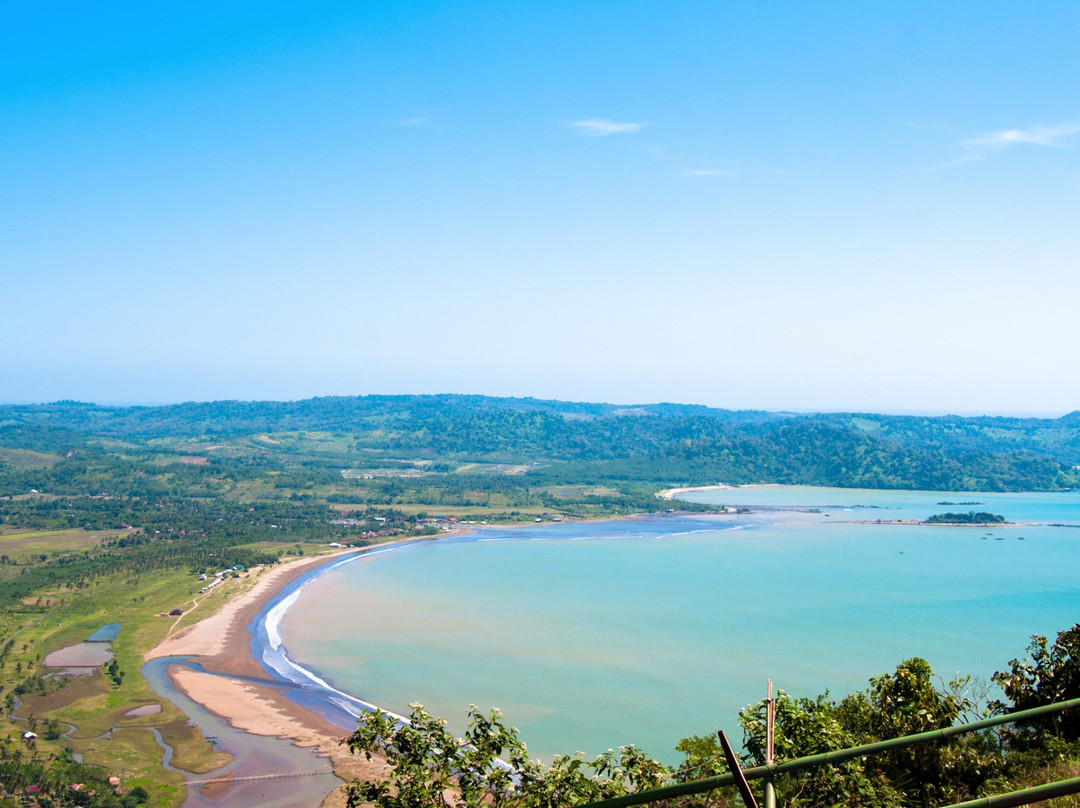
[[831, 206]]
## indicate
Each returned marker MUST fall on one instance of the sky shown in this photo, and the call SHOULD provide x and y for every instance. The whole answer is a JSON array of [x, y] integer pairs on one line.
[[777, 205]]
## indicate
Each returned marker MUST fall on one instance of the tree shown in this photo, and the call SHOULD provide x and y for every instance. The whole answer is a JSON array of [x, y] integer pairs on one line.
[[812, 726], [1049, 674], [907, 703], [112, 670], [489, 768], [902, 703]]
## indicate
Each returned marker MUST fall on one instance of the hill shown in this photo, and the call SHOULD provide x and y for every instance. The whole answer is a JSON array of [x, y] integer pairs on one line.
[[558, 441]]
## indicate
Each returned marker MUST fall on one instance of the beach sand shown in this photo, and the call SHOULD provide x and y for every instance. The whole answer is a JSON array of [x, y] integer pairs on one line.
[[221, 644], [671, 493]]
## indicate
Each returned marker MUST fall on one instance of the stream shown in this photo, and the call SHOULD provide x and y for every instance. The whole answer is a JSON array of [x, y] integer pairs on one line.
[[254, 756]]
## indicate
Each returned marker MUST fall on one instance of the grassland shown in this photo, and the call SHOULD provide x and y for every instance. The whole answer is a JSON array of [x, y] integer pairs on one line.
[[98, 708], [27, 459], [17, 544]]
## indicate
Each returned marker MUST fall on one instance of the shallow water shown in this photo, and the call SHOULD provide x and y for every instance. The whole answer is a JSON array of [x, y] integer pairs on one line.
[[645, 631], [80, 655], [107, 633], [866, 503], [253, 755]]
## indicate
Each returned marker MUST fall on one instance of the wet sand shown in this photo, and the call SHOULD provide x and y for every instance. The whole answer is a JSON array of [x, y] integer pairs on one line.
[[236, 687]]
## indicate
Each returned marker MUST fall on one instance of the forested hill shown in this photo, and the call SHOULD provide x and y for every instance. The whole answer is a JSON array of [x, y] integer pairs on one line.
[[662, 443], [333, 414]]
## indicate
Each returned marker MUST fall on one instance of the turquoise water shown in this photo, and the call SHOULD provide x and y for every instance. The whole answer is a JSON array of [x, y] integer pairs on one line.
[[107, 633], [862, 503], [645, 631]]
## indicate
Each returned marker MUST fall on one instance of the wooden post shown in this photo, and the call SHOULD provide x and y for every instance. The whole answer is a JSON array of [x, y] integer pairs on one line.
[[732, 759]]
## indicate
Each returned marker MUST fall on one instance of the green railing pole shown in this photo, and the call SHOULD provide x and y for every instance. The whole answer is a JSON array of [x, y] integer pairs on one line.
[[710, 783], [1025, 797], [770, 738]]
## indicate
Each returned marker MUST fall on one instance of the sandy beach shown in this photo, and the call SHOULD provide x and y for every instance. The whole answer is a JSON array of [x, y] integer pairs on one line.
[[237, 688], [671, 493]]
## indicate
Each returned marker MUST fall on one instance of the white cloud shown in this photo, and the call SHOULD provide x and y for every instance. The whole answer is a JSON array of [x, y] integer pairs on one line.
[[414, 121], [985, 144], [602, 127]]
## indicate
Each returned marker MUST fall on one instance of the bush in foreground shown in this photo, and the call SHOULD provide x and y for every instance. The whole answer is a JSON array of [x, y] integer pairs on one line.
[[490, 768]]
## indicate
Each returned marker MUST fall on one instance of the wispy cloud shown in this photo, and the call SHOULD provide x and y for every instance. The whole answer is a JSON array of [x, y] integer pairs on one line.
[[982, 146], [709, 172], [416, 120], [602, 127]]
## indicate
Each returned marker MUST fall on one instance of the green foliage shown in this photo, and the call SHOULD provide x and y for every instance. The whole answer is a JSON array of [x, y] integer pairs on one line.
[[813, 726], [1050, 673], [904, 703], [702, 757], [112, 670], [490, 767], [664, 443], [969, 518], [23, 766], [430, 768], [908, 703]]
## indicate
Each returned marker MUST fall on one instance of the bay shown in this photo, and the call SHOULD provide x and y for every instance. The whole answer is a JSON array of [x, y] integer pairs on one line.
[[644, 631]]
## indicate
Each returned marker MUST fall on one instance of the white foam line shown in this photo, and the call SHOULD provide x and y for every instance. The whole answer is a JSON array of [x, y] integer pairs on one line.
[[273, 617], [277, 656], [352, 705]]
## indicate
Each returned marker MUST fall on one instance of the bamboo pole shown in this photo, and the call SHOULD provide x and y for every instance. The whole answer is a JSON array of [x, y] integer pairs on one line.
[[1024, 797], [770, 740]]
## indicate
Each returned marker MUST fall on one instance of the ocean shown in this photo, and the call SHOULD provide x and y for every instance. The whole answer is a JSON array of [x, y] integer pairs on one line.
[[647, 630]]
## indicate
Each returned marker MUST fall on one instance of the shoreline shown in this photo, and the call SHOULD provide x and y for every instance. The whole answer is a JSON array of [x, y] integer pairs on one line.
[[221, 664], [231, 682], [218, 663], [232, 672], [673, 493]]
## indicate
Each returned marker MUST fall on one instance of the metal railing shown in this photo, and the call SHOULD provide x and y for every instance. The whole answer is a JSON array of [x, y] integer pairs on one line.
[[757, 772], [1024, 797]]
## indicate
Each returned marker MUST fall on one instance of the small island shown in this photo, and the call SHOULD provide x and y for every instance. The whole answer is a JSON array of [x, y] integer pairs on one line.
[[969, 518]]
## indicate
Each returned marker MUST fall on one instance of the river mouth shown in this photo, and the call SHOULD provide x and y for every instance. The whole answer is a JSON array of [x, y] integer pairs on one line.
[[259, 762]]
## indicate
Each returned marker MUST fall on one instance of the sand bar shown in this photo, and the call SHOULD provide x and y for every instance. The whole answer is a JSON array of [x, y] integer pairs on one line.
[[237, 688], [672, 493]]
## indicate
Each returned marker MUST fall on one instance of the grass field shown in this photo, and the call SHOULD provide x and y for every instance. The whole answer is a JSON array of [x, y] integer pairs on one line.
[[478, 512], [26, 459], [97, 706], [35, 542]]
